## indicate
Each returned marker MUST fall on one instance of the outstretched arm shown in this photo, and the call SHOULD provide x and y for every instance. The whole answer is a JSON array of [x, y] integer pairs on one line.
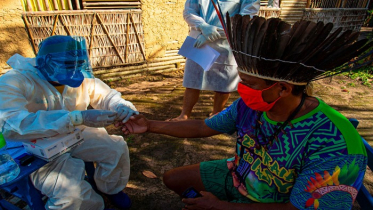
[[209, 201], [181, 129]]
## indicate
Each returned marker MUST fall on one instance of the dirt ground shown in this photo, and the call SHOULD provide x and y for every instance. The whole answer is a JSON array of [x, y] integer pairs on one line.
[[160, 96]]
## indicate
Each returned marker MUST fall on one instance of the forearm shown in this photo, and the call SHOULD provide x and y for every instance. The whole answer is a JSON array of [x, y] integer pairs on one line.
[[23, 125], [182, 129], [191, 14]]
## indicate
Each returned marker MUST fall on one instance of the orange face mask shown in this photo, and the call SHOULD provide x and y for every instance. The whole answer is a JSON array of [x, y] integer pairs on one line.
[[254, 99]]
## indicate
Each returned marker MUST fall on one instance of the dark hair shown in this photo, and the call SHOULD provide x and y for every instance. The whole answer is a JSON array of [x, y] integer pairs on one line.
[[297, 90]]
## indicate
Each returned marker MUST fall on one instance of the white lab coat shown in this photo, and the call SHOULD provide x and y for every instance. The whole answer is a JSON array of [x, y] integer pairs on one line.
[[31, 107], [222, 76]]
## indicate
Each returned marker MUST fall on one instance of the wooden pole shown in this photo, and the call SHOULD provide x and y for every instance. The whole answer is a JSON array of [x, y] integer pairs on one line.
[[55, 4], [29, 7], [367, 5], [77, 3], [343, 3], [55, 24], [81, 12], [29, 34], [92, 33], [47, 5], [137, 36], [127, 36], [63, 5], [67, 29], [308, 4], [70, 5], [108, 35], [38, 5]]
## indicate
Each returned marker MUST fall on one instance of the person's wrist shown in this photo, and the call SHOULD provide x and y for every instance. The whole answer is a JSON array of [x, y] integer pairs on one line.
[[76, 117], [220, 205]]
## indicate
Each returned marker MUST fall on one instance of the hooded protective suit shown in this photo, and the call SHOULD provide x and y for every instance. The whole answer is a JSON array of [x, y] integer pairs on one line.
[[222, 76], [30, 107]]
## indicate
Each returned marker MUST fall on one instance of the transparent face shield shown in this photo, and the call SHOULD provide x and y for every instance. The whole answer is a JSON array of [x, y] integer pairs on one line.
[[64, 59]]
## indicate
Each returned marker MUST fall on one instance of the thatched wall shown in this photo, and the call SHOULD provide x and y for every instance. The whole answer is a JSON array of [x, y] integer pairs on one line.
[[13, 37]]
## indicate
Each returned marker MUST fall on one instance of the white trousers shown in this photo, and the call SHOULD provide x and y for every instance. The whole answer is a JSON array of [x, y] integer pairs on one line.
[[62, 180]]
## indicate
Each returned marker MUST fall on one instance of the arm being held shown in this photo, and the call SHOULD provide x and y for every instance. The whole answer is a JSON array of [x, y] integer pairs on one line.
[[181, 129]]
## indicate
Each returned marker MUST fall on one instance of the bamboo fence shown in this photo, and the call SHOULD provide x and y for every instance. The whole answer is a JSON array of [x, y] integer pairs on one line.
[[337, 3], [114, 37], [111, 4], [348, 19], [269, 12], [55, 5], [348, 14]]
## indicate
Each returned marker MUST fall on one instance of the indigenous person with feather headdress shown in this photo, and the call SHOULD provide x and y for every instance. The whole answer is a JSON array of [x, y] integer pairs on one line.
[[222, 77], [293, 151]]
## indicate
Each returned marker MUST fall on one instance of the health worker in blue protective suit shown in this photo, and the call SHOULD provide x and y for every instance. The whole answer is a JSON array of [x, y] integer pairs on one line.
[[205, 26], [49, 95]]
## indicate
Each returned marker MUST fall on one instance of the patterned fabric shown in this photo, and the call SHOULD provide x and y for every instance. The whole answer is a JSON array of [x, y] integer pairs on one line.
[[217, 180], [313, 165]]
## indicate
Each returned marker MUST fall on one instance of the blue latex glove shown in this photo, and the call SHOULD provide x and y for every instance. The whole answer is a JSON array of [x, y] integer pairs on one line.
[[93, 118], [200, 41], [211, 32], [124, 113]]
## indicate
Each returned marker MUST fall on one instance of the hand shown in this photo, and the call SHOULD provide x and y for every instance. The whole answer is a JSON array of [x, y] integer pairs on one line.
[[98, 118], [124, 113], [201, 40], [136, 124], [210, 32], [207, 201]]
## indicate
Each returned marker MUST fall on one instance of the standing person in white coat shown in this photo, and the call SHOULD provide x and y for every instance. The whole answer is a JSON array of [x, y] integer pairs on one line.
[[222, 77], [49, 95]]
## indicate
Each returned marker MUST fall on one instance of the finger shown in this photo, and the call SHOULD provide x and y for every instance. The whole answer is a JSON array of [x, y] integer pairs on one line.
[[129, 128], [127, 118], [197, 45], [203, 193], [220, 29]]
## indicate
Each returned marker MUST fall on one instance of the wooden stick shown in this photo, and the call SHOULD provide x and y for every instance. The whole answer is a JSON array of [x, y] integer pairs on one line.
[[47, 5], [63, 5], [70, 5], [67, 29], [110, 3], [29, 7], [55, 24], [55, 4], [39, 6], [127, 36], [29, 34], [308, 3], [137, 36], [92, 33], [77, 3], [108, 35], [81, 12]]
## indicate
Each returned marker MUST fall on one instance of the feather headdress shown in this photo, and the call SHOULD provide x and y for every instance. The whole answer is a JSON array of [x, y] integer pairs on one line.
[[273, 49]]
